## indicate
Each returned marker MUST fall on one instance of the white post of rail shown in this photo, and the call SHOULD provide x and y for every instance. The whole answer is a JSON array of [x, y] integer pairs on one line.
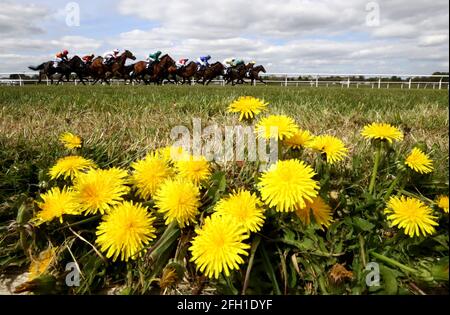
[[409, 84], [317, 81], [440, 83], [348, 83], [20, 80], [379, 83], [286, 80]]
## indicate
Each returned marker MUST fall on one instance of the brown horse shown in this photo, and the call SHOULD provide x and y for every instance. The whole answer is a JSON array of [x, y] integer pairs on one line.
[[253, 74], [236, 73], [186, 72], [104, 72], [214, 70], [161, 69], [139, 71], [157, 73]]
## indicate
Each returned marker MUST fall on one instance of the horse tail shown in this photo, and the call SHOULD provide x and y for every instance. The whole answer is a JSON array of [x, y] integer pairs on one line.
[[40, 67]]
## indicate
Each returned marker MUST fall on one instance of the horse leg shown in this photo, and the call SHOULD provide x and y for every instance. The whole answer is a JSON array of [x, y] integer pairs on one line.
[[260, 79], [80, 76]]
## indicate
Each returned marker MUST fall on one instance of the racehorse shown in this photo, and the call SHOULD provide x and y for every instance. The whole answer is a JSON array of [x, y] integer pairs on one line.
[[161, 69], [158, 72], [104, 72], [253, 74], [210, 73], [186, 72], [65, 68], [236, 73], [129, 73]]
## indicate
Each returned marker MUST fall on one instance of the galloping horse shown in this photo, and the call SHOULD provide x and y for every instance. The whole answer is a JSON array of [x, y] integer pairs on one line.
[[210, 73], [64, 68], [253, 74], [161, 69], [236, 73], [186, 72], [101, 71], [158, 73]]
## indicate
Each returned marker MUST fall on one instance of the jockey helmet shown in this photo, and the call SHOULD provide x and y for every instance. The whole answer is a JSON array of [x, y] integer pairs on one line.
[[65, 52], [116, 51], [252, 62], [208, 57]]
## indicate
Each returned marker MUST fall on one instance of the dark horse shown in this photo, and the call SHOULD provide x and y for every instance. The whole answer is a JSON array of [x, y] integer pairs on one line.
[[186, 72], [208, 74], [253, 74], [236, 73], [65, 68], [100, 71]]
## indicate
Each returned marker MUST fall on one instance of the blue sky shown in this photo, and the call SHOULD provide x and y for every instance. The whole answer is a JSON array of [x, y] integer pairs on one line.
[[409, 36]]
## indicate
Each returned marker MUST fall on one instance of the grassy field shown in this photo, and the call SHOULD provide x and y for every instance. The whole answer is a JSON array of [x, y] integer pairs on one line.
[[126, 122], [121, 124]]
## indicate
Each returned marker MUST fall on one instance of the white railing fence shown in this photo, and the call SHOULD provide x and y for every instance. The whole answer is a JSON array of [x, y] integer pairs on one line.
[[373, 81]]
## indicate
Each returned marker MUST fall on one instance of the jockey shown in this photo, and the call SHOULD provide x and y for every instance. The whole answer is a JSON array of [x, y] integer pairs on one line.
[[153, 58], [181, 63], [203, 61], [110, 56], [237, 62], [88, 59], [227, 62], [60, 57], [250, 66]]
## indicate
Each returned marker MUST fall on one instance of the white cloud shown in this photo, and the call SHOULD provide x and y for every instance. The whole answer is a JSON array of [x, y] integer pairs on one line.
[[290, 35], [20, 20]]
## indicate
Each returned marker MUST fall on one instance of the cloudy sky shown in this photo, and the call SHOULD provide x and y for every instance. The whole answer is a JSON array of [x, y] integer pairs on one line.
[[319, 36]]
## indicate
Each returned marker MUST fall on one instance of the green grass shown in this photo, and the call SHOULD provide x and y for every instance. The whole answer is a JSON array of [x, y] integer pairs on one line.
[[120, 124], [125, 122]]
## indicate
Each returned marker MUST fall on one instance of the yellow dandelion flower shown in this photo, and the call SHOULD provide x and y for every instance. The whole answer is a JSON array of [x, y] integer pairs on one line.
[[301, 139], [70, 167], [442, 203], [288, 183], [70, 141], [218, 246], [382, 132], [42, 263], [179, 200], [149, 173], [245, 207], [333, 148], [247, 106], [194, 168], [171, 153], [419, 161], [98, 190], [320, 211], [412, 215], [282, 125], [56, 203], [125, 231]]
